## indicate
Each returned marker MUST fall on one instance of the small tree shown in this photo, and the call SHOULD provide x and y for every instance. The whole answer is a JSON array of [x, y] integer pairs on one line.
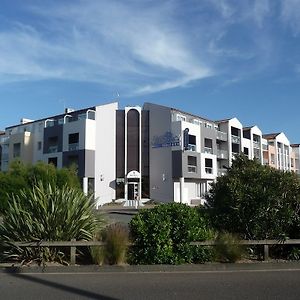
[[255, 201]]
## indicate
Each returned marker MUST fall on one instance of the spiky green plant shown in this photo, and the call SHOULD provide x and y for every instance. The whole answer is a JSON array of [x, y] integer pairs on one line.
[[116, 238], [46, 214]]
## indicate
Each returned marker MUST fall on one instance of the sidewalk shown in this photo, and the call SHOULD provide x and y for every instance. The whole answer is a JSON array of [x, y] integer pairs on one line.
[[209, 267]]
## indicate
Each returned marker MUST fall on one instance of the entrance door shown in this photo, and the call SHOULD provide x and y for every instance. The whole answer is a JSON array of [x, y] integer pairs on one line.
[[133, 191]]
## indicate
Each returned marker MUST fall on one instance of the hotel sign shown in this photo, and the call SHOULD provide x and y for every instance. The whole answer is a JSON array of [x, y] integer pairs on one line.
[[165, 140]]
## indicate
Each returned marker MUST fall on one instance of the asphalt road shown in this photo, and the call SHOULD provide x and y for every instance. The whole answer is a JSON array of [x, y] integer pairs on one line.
[[236, 284]]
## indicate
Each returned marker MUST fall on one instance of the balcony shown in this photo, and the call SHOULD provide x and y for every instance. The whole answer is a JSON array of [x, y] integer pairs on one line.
[[191, 147], [265, 147], [235, 139], [53, 149], [222, 172], [192, 169], [208, 150], [222, 154], [208, 170], [222, 136], [256, 144], [74, 147]]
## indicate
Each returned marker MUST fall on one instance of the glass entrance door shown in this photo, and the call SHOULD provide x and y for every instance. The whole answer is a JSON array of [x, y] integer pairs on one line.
[[133, 191]]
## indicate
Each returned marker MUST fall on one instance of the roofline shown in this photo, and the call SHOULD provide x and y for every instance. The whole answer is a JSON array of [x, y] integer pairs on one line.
[[52, 117], [181, 111]]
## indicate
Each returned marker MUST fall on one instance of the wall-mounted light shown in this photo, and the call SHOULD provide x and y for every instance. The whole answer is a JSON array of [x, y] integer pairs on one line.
[[164, 177], [101, 177]]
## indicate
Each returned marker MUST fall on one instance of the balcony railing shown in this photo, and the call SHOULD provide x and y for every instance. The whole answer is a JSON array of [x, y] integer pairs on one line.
[[52, 149], [223, 154], [73, 147], [265, 147], [208, 150], [222, 172], [191, 147], [208, 170], [256, 144], [222, 136], [192, 169], [235, 139]]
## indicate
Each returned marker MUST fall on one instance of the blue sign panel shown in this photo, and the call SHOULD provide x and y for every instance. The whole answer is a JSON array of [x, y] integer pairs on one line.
[[165, 140]]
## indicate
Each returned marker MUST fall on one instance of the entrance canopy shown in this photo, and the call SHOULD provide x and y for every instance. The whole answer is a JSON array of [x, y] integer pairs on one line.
[[133, 175]]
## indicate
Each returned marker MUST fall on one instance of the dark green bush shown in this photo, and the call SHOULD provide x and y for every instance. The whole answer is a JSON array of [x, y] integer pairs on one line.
[[162, 235]]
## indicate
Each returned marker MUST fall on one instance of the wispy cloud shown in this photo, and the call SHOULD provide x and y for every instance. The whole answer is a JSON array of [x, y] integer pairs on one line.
[[102, 41], [141, 46], [290, 14]]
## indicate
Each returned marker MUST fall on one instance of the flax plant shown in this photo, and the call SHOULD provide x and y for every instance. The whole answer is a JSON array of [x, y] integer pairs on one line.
[[46, 214]]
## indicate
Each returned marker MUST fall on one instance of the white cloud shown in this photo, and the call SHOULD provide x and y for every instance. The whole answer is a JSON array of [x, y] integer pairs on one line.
[[261, 9], [290, 14], [103, 41]]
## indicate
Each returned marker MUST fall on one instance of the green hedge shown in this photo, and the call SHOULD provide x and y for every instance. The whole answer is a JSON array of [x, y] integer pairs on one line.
[[162, 235]]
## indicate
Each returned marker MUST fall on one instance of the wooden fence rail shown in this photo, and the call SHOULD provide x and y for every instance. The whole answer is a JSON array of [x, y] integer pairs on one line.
[[73, 244]]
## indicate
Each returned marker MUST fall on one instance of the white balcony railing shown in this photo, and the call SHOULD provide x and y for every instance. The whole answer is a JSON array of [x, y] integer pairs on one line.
[[222, 172], [74, 147], [208, 170], [235, 139], [52, 149], [222, 136], [256, 144], [208, 150], [191, 147], [223, 154], [192, 169]]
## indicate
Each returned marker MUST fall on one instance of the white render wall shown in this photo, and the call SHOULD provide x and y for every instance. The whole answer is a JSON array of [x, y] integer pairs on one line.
[[105, 154]]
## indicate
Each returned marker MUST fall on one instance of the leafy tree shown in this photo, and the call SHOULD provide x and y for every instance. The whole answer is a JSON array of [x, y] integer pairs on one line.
[[21, 176], [255, 201]]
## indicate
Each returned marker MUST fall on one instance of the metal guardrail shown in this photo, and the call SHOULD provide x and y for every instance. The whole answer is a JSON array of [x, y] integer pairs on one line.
[[73, 244]]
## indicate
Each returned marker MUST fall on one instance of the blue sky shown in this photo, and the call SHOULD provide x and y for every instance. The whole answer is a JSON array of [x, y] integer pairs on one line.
[[214, 58]]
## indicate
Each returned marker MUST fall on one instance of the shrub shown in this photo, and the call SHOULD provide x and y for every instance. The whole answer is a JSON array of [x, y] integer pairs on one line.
[[228, 248], [46, 214], [162, 235]]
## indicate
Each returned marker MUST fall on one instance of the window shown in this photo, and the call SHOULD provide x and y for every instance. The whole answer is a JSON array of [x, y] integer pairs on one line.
[[192, 142], [246, 151], [53, 161], [180, 117], [192, 164], [53, 144], [197, 122], [272, 158], [208, 166], [39, 146], [208, 125], [17, 150], [208, 146], [73, 141]]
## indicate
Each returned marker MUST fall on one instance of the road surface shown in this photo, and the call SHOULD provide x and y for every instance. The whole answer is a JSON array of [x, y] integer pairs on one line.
[[235, 284]]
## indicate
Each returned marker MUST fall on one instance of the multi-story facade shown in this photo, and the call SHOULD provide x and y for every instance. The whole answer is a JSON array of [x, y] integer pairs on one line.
[[278, 152], [138, 153]]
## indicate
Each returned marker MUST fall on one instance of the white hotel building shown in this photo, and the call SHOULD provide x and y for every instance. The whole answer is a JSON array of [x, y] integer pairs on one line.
[[138, 153]]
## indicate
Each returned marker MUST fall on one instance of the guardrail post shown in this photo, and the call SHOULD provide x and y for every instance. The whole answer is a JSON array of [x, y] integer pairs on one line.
[[73, 253], [266, 252]]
